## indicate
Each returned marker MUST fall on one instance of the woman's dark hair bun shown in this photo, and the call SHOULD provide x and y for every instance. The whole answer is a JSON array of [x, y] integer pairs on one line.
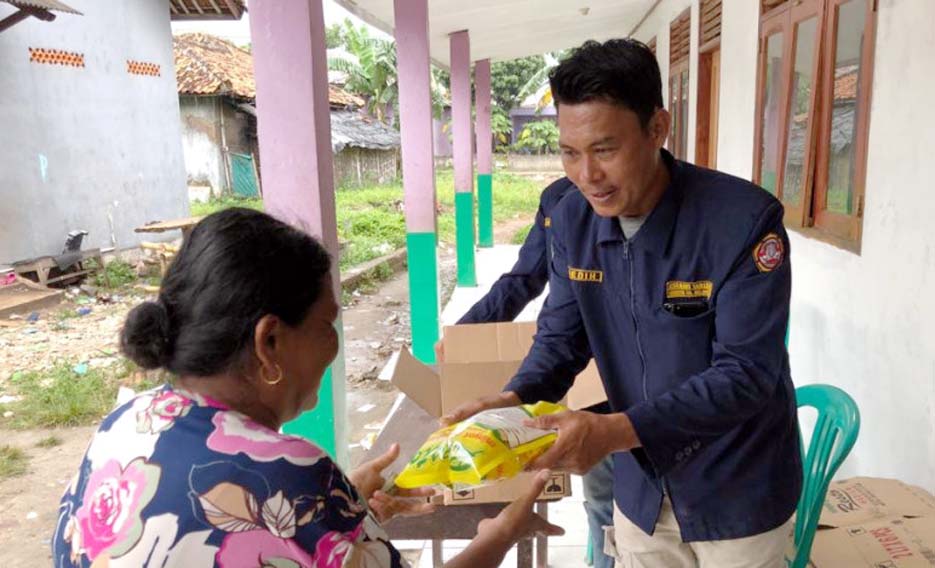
[[145, 335]]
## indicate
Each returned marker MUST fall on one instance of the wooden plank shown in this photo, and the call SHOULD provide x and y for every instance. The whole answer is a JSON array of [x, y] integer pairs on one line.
[[197, 4], [183, 6], [214, 5], [171, 225], [235, 8]]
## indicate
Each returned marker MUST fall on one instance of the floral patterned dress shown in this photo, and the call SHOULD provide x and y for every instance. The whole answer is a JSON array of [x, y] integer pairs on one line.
[[174, 479]]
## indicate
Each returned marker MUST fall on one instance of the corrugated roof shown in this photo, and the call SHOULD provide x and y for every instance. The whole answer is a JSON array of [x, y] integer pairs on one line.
[[50, 5], [208, 65], [356, 130]]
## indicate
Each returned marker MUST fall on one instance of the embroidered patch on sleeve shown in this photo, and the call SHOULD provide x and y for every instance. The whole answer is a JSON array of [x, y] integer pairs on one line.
[[768, 253]]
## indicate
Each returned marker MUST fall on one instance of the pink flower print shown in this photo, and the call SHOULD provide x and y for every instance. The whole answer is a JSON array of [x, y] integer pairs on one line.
[[252, 549], [331, 550], [164, 408], [234, 433], [109, 517]]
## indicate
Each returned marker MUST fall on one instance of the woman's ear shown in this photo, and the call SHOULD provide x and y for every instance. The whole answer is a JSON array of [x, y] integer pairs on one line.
[[266, 342]]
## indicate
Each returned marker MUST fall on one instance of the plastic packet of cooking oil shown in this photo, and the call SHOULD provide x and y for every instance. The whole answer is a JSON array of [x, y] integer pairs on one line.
[[491, 445]]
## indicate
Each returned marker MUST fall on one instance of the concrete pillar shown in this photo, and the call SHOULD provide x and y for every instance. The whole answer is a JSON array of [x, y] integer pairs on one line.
[[484, 153], [415, 125], [463, 156], [294, 131]]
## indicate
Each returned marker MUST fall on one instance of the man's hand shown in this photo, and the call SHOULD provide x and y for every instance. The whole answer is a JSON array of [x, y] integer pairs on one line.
[[584, 438], [471, 408], [439, 352]]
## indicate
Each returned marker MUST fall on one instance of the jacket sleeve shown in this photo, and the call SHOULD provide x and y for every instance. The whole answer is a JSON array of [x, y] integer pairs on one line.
[[522, 284], [560, 350], [748, 362]]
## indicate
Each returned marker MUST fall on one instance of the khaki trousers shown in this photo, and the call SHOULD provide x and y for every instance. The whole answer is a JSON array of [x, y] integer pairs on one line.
[[632, 548]]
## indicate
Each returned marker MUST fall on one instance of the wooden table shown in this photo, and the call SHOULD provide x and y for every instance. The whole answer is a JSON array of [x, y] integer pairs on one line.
[[409, 426], [185, 225]]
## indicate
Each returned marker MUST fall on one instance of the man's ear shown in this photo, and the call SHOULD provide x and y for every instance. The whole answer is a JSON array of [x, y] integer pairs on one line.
[[659, 126]]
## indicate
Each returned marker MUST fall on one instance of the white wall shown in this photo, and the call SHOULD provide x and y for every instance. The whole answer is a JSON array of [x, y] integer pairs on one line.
[[90, 147], [865, 322], [201, 142], [737, 106], [657, 25]]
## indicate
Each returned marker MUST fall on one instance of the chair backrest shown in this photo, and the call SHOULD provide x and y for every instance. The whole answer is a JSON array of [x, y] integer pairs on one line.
[[834, 435]]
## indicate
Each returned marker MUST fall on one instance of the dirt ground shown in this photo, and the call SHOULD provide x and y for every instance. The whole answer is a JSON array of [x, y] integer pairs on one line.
[[375, 325]]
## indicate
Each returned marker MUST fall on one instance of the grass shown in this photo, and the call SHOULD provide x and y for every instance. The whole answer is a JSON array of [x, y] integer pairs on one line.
[[200, 209], [371, 222], [61, 397], [12, 462], [519, 237], [67, 314], [116, 274], [49, 442]]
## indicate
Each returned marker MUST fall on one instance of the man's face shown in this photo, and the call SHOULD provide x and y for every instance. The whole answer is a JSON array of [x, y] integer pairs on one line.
[[609, 156]]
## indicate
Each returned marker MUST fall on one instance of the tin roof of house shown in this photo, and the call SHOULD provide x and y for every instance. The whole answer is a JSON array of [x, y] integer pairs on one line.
[[50, 5], [357, 130], [206, 9]]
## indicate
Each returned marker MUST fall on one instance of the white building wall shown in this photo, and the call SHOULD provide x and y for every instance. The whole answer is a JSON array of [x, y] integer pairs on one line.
[[201, 142], [864, 322], [92, 147]]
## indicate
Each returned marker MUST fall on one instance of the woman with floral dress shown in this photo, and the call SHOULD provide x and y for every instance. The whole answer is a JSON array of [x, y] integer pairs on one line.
[[196, 473]]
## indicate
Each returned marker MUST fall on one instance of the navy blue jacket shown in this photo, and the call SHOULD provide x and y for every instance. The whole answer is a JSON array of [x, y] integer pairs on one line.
[[686, 322], [526, 280]]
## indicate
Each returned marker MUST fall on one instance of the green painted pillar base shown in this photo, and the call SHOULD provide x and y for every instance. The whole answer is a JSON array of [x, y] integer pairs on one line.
[[464, 235], [317, 424], [423, 294], [485, 210]]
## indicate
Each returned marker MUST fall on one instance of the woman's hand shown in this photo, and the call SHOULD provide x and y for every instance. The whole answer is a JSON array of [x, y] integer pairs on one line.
[[403, 502], [518, 521], [368, 476], [369, 481]]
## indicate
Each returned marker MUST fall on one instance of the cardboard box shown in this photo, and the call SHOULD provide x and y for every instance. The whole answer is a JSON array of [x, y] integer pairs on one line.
[[891, 542], [875, 523], [479, 361], [859, 499]]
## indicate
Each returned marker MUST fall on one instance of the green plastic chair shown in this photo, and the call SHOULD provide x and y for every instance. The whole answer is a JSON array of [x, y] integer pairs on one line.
[[834, 435]]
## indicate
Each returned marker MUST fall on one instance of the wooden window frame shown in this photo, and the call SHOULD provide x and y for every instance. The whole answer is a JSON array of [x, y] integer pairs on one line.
[[811, 217], [678, 67], [705, 136]]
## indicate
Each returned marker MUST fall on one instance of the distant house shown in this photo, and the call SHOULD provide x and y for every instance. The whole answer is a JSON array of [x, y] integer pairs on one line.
[[216, 97]]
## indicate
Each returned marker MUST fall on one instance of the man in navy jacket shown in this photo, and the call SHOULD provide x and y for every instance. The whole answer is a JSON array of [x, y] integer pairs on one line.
[[677, 279]]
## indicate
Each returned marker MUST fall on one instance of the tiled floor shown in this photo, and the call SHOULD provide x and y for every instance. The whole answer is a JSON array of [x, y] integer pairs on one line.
[[566, 551]]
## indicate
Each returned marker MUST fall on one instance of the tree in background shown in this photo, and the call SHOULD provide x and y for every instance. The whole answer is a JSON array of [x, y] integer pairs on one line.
[[539, 137], [507, 78], [370, 66]]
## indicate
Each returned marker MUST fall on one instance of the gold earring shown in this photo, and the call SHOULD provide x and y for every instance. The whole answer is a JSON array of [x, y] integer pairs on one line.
[[278, 379]]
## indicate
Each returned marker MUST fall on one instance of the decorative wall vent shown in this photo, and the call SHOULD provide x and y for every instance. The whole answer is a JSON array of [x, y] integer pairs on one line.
[[56, 57], [143, 68]]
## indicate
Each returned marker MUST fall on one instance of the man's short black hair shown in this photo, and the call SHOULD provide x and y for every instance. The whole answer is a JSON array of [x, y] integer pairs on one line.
[[618, 71]]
